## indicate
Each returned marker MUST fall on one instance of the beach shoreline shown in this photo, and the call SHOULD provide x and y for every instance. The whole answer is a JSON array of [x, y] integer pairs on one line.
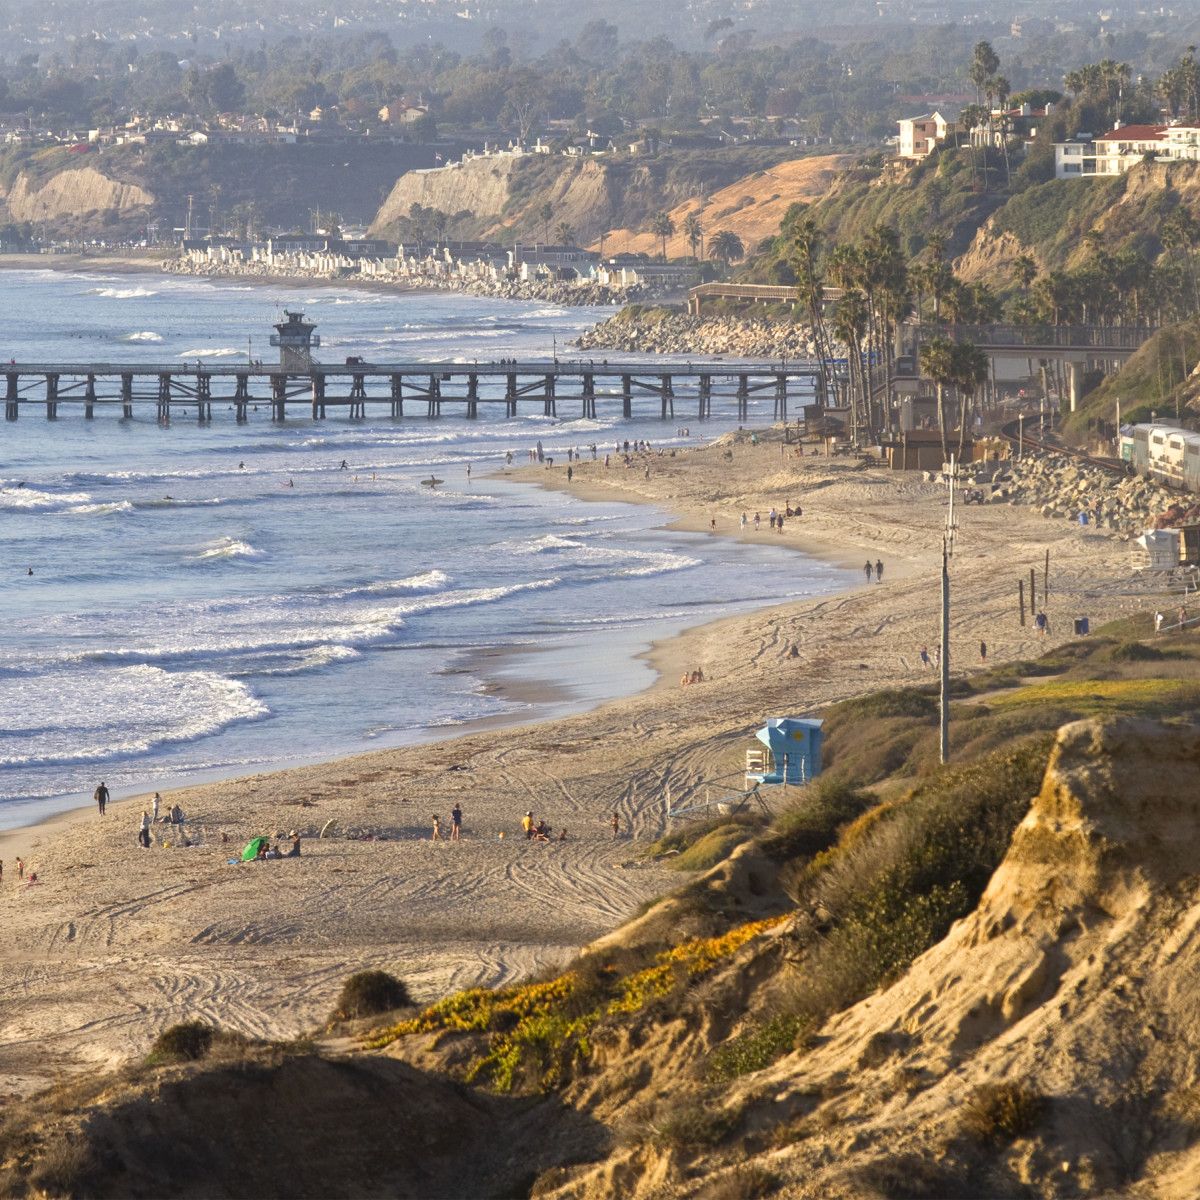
[[111, 930]]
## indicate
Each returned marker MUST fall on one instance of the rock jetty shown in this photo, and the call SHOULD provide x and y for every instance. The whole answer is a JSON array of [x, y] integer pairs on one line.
[[545, 290], [667, 331], [1061, 488]]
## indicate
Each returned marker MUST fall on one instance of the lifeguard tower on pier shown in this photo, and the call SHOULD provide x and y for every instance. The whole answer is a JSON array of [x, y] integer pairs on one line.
[[295, 338]]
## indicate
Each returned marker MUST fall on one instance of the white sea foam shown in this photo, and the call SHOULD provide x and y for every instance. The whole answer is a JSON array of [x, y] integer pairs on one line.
[[120, 711], [34, 500], [222, 352], [228, 547], [123, 293], [145, 335], [100, 510]]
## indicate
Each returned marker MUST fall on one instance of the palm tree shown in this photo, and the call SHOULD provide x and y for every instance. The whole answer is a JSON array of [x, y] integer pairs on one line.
[[564, 234], [662, 227], [849, 325], [970, 367], [937, 361], [726, 246], [1024, 270], [546, 214], [805, 255], [693, 231]]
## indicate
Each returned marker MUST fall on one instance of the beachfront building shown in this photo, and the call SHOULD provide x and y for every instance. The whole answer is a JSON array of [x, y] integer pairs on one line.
[[1122, 147], [920, 136]]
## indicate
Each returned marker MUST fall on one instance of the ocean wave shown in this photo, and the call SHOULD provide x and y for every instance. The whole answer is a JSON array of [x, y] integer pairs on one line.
[[228, 547], [100, 510], [32, 499], [144, 335], [123, 293], [312, 659], [143, 708], [223, 352]]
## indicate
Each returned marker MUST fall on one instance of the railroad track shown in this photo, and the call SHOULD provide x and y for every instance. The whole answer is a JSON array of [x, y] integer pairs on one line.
[[1031, 441]]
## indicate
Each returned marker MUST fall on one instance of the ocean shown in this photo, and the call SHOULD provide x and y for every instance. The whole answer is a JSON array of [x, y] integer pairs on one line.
[[192, 614]]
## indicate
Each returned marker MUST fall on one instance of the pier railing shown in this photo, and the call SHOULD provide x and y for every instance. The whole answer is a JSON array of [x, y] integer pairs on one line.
[[196, 386]]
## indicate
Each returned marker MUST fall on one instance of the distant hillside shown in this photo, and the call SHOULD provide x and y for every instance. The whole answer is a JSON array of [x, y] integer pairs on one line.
[[753, 206], [128, 185], [503, 197]]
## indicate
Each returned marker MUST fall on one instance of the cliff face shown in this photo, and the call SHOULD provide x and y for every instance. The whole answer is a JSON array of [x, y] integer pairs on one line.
[[72, 193], [507, 194]]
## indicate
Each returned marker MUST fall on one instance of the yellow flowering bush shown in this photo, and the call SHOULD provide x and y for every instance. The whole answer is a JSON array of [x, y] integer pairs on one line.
[[528, 1025]]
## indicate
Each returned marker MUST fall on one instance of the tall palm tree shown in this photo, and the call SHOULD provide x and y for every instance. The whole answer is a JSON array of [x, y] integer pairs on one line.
[[1024, 270], [849, 325], [970, 369], [564, 234], [662, 227], [546, 215], [805, 261], [937, 361], [693, 230]]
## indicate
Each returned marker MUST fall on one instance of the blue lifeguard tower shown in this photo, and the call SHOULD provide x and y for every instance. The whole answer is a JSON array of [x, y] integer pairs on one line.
[[792, 752]]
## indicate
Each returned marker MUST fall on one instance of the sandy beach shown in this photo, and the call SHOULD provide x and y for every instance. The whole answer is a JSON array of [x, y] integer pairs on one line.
[[113, 942]]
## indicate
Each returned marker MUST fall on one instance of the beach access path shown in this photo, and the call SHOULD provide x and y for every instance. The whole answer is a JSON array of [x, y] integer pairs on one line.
[[115, 943]]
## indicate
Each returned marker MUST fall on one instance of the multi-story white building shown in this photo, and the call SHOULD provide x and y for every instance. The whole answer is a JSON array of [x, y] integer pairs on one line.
[[1114, 152]]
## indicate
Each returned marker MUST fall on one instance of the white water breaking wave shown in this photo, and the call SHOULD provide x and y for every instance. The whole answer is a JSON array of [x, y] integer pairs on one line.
[[100, 510], [145, 335], [628, 563], [123, 711], [33, 500], [228, 547], [123, 293], [222, 352]]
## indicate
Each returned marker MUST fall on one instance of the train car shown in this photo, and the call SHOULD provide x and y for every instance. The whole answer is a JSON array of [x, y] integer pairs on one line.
[[1135, 447], [1164, 453]]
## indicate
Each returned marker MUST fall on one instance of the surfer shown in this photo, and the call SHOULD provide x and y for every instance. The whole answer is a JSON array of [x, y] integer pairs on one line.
[[345, 466]]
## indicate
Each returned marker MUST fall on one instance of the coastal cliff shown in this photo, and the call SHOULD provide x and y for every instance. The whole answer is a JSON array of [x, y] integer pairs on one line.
[[81, 191]]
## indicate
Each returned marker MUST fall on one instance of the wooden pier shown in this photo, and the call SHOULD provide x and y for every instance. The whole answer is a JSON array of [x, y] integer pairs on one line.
[[430, 389]]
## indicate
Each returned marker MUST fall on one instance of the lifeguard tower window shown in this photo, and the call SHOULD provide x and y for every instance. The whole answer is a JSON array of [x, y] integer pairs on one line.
[[790, 753]]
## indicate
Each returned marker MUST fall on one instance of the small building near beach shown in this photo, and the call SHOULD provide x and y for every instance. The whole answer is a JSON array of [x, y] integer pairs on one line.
[[792, 754]]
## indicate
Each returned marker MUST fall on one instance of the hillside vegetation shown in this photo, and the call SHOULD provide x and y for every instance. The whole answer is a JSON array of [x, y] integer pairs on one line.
[[913, 982]]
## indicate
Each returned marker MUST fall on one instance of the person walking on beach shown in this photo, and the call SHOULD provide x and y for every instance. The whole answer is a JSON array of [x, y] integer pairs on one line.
[[456, 823], [616, 825], [100, 795], [879, 570], [157, 805], [925, 656], [1158, 622], [1043, 625], [757, 519], [1, 870], [437, 829], [712, 525], [867, 569], [744, 522], [983, 651], [144, 829], [570, 474], [20, 868]]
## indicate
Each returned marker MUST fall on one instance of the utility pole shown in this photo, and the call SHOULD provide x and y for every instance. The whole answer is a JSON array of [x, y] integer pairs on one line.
[[187, 222], [944, 656], [944, 704]]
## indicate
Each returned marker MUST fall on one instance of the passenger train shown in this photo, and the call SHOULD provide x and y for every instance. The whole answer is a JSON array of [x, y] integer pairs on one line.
[[1164, 453]]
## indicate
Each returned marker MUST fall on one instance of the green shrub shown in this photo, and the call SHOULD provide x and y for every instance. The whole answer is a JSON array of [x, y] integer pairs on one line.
[[186, 1042], [691, 1125], [369, 993], [713, 848], [755, 1049], [1000, 1112], [1136, 652], [687, 833], [811, 824]]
